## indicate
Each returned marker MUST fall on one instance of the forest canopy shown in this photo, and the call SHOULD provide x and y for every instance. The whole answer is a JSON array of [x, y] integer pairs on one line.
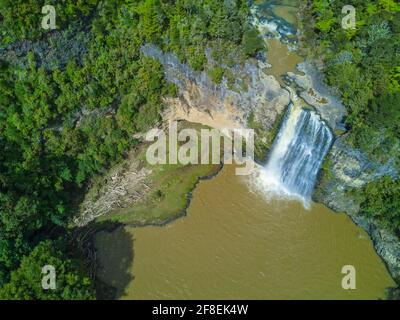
[[71, 101]]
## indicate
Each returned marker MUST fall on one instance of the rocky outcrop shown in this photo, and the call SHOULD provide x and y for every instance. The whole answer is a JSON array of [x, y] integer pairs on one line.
[[253, 91], [347, 168], [53, 51], [320, 96]]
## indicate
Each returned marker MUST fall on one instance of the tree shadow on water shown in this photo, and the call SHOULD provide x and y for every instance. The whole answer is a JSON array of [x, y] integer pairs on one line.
[[114, 261]]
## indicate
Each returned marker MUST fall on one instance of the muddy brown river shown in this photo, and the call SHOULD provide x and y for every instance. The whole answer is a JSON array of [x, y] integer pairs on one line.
[[236, 244]]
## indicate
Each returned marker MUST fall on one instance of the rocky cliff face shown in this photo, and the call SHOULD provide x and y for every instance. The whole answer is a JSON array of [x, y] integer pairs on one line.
[[347, 168], [51, 52], [253, 91], [314, 91]]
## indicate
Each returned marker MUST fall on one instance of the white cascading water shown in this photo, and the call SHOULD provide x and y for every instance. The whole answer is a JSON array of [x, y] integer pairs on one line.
[[297, 154]]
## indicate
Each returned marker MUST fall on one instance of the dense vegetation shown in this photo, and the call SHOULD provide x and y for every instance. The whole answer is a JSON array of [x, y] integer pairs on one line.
[[26, 281], [364, 64], [61, 124]]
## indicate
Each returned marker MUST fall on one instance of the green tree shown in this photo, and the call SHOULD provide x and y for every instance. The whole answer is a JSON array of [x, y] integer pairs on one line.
[[150, 19], [252, 42], [26, 281]]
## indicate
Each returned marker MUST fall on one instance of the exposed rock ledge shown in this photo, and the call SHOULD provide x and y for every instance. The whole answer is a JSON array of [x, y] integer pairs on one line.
[[317, 94], [349, 168], [253, 92]]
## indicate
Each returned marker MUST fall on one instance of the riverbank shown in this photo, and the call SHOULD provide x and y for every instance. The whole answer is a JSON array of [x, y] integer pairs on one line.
[[137, 193], [346, 170], [233, 243]]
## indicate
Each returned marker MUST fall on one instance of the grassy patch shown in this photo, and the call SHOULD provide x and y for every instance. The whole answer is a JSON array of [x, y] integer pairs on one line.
[[216, 74], [170, 186]]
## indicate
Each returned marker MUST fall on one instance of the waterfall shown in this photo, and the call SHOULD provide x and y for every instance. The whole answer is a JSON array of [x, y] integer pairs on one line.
[[297, 154]]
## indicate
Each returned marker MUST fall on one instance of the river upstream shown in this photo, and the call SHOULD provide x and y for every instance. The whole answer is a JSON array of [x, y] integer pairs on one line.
[[236, 242]]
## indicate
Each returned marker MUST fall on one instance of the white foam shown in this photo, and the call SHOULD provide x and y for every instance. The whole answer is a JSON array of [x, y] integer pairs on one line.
[[263, 182]]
